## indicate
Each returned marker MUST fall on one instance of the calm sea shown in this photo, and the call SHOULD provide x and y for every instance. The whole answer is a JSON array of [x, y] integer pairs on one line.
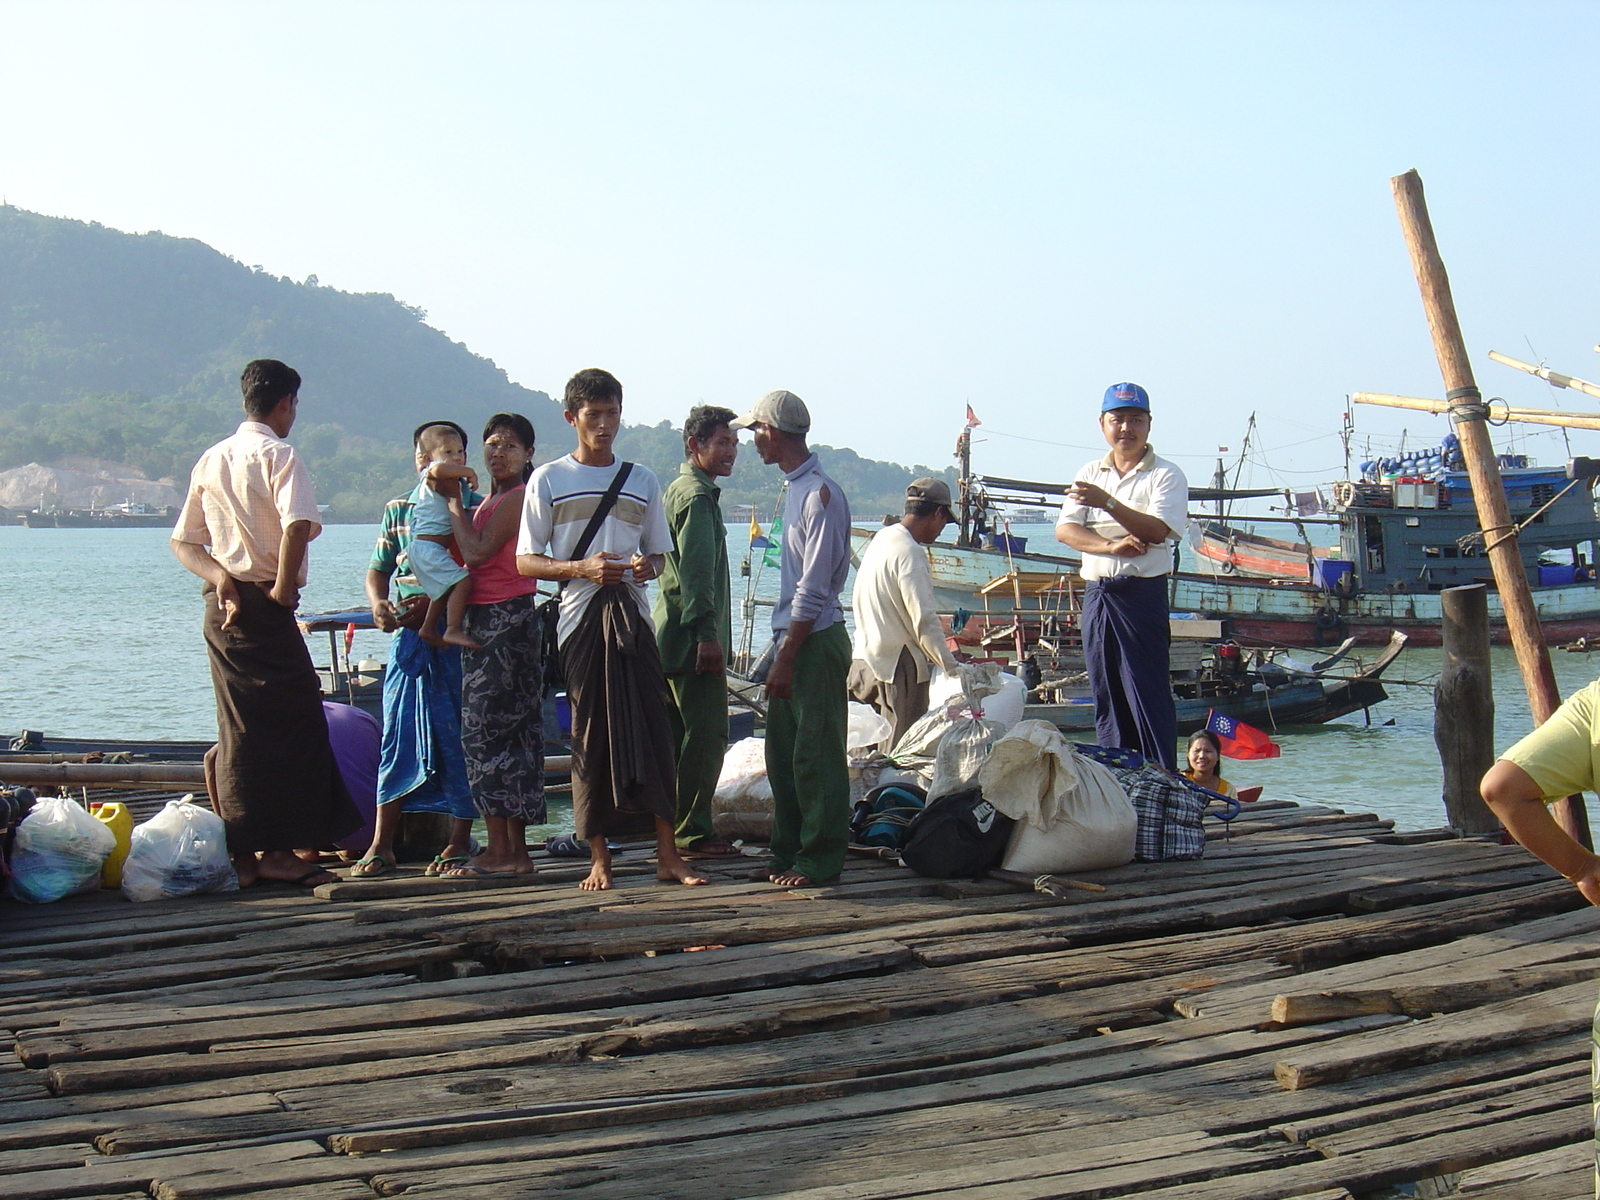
[[103, 640]]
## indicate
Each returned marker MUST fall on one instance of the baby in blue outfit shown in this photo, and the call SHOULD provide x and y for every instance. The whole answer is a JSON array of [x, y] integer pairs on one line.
[[432, 538]]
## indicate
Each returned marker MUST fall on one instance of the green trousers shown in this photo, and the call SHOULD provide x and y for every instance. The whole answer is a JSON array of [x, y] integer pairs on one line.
[[697, 706], [806, 761]]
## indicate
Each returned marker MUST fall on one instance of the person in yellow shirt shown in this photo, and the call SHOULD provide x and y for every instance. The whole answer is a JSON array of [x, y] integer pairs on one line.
[[1205, 753]]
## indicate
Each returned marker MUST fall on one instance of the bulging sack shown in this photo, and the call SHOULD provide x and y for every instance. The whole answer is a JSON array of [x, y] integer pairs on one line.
[[1071, 813], [59, 850], [181, 851]]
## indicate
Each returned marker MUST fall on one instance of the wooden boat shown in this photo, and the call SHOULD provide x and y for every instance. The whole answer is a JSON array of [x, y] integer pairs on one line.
[[1267, 697]]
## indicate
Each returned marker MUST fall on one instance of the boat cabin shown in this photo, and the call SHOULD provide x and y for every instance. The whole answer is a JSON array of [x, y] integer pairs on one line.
[[1422, 534]]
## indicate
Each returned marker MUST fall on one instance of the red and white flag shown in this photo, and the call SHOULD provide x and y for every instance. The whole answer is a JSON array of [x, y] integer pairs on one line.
[[972, 418], [1240, 740]]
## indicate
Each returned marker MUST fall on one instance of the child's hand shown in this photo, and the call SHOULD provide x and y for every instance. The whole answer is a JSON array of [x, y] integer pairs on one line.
[[471, 478]]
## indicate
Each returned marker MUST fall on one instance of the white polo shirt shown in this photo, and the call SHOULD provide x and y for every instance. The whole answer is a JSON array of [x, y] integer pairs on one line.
[[1155, 487]]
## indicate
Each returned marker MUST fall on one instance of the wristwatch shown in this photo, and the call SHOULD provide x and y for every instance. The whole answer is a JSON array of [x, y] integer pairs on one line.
[[1111, 504]]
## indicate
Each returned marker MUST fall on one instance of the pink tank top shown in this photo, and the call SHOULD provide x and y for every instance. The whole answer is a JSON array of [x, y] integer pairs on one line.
[[497, 579]]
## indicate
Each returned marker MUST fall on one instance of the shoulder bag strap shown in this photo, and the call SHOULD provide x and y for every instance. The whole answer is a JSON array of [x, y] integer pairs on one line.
[[601, 512]]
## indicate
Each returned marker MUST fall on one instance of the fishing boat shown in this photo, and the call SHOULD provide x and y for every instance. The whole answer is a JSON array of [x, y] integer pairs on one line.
[[1405, 528]]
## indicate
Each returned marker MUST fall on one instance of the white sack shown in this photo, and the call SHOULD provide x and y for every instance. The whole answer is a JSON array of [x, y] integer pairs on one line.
[[181, 851], [1071, 814], [59, 850]]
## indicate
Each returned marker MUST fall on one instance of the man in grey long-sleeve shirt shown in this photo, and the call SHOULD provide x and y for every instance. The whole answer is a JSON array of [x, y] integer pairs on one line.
[[807, 707]]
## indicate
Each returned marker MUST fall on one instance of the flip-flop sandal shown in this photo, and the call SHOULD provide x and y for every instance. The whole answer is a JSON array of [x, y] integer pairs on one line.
[[440, 863], [371, 868], [471, 872]]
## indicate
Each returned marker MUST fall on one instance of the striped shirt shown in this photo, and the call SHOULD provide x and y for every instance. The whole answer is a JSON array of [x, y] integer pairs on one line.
[[562, 496], [243, 493], [394, 538]]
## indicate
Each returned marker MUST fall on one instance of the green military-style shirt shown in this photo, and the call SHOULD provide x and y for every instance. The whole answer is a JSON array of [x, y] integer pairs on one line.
[[693, 603]]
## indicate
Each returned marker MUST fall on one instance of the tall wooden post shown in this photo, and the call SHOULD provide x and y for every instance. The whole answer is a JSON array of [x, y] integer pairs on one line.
[[1463, 708], [1469, 413]]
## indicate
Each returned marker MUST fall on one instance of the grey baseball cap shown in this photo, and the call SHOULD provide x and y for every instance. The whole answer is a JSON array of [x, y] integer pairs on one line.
[[931, 491], [781, 410]]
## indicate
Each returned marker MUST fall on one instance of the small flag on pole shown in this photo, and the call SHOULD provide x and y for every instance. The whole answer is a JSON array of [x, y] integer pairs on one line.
[[1240, 740], [758, 540], [972, 418], [773, 556]]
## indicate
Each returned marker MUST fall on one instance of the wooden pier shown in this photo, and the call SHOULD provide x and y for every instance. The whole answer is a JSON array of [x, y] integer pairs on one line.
[[1320, 1009]]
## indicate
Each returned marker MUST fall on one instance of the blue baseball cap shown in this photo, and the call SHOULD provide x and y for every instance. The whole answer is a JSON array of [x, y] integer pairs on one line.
[[1125, 395]]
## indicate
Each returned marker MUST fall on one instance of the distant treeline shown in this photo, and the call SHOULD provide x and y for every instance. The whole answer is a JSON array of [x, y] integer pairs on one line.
[[128, 348]]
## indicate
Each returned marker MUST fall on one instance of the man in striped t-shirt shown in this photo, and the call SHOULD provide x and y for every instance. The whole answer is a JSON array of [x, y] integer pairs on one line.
[[622, 756]]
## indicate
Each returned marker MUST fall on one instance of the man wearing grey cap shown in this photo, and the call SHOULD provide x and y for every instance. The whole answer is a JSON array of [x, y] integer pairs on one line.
[[898, 633], [807, 708]]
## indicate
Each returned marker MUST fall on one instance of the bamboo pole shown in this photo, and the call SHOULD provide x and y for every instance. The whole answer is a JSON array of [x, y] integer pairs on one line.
[[1498, 410], [1468, 412], [1549, 376], [189, 775]]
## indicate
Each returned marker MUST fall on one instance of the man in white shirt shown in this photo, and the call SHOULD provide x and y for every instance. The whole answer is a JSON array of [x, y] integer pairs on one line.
[[1122, 513], [898, 632]]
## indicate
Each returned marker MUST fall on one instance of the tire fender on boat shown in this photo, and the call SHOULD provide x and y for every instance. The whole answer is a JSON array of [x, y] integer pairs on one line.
[[1329, 627]]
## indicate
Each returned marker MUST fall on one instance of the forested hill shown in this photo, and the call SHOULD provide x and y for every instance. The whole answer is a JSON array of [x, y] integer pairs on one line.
[[128, 347]]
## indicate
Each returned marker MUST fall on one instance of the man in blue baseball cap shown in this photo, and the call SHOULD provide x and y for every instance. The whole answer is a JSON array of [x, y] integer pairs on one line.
[[1122, 514]]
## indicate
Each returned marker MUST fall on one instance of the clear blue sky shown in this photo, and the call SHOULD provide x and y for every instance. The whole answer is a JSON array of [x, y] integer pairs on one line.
[[890, 208]]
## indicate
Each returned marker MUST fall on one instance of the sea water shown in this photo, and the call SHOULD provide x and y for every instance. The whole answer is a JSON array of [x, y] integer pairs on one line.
[[102, 639]]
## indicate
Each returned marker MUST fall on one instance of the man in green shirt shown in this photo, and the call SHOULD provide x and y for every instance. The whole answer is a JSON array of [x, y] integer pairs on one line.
[[693, 614]]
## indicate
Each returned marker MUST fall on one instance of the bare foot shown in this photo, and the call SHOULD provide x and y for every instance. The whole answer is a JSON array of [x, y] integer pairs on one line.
[[429, 636], [598, 879], [791, 878], [244, 866], [682, 872], [454, 637]]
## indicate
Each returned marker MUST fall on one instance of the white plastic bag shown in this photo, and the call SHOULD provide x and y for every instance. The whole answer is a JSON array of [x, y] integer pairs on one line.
[[866, 731], [741, 807], [60, 849], [1006, 705], [1071, 813], [181, 851]]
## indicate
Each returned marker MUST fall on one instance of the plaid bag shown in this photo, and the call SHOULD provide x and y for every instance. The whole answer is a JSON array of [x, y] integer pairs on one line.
[[1170, 807], [1170, 813]]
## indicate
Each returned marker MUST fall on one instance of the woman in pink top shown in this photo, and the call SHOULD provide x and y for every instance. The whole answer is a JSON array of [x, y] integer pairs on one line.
[[502, 684]]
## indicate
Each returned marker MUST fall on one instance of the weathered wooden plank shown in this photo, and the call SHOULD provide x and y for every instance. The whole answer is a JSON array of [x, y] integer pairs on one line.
[[1559, 1174], [1546, 940], [1425, 1000], [141, 1171], [44, 1158], [1091, 1007], [1570, 1091], [1327, 1124], [712, 979], [1451, 1035], [47, 1122]]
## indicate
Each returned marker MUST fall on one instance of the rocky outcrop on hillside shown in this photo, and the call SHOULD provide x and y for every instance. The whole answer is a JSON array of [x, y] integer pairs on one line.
[[82, 483]]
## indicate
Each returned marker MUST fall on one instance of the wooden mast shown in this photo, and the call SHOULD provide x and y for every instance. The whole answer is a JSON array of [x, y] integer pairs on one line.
[[1469, 414]]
